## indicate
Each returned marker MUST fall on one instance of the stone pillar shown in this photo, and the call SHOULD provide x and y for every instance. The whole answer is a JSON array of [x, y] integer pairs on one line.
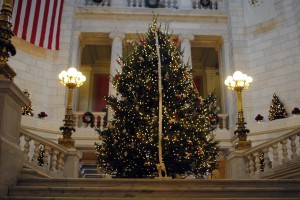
[[76, 62], [186, 48], [225, 69], [71, 167], [236, 166], [221, 78], [12, 99], [116, 51]]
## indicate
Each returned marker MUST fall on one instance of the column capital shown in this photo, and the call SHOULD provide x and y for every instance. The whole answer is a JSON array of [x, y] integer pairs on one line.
[[116, 34], [186, 36]]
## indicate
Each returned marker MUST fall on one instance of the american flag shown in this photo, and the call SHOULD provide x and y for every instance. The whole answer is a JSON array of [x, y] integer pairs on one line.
[[38, 21]]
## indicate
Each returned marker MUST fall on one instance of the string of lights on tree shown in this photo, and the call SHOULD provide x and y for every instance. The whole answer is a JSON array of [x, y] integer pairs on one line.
[[129, 146]]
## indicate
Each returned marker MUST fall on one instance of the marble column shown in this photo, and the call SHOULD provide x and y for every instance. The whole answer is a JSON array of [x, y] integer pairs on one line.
[[116, 51], [222, 78], [76, 62], [186, 48], [226, 70]]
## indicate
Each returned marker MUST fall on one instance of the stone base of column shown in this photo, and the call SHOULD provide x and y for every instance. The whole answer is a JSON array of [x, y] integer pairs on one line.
[[71, 167], [236, 166], [67, 142], [243, 145]]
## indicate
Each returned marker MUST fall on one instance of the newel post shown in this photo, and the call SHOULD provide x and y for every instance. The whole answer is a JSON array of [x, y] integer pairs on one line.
[[236, 166], [12, 99]]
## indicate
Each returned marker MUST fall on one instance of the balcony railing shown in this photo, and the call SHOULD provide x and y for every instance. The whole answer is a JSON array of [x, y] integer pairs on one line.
[[99, 120], [167, 4]]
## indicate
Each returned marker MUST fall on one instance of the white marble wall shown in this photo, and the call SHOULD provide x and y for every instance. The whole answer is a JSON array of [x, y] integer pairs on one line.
[[37, 69], [273, 60]]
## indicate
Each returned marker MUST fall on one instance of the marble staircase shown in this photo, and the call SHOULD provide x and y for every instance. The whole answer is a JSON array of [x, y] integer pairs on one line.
[[169, 189], [89, 170]]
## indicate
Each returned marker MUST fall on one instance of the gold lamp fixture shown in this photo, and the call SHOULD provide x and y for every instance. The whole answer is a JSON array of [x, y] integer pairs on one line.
[[71, 79], [240, 82], [7, 49]]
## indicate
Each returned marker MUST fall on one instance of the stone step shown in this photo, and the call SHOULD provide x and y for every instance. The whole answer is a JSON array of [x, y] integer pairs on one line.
[[89, 170], [90, 175], [99, 198], [146, 189], [158, 183], [163, 192]]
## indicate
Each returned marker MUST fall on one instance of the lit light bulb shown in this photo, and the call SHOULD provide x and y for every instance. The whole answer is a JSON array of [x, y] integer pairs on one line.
[[62, 74], [237, 75], [72, 71]]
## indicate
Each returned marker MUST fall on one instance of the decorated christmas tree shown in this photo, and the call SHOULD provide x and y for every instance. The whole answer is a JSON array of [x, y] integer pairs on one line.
[[152, 119], [277, 110], [27, 110]]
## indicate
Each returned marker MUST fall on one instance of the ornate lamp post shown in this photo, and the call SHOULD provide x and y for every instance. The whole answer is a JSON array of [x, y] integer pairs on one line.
[[239, 82], [7, 49], [71, 78]]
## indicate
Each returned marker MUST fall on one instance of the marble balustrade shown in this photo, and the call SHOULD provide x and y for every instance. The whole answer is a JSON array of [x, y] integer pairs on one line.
[[167, 4], [267, 156], [53, 157], [98, 120]]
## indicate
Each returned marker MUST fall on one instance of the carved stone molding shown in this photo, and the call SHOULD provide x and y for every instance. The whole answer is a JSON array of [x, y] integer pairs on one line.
[[190, 37], [212, 17], [116, 34]]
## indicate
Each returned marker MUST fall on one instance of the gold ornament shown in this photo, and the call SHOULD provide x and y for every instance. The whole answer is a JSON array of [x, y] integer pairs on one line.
[[188, 155]]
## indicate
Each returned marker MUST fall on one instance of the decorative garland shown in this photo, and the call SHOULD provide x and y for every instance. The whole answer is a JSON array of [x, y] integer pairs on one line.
[[88, 118], [205, 3], [152, 3], [97, 1]]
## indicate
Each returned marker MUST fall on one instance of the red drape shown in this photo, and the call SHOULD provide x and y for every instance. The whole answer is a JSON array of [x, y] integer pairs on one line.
[[100, 91]]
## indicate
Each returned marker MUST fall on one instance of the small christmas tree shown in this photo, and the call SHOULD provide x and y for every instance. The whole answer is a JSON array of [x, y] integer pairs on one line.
[[27, 110], [277, 110]]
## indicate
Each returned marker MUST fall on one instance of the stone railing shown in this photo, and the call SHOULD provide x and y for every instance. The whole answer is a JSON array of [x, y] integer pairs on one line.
[[214, 5], [98, 120], [48, 158], [162, 4], [42, 154], [168, 4], [267, 156], [103, 3], [101, 123], [223, 121]]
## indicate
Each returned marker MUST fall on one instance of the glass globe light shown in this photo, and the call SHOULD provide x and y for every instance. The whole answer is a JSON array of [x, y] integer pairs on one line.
[[62, 75], [72, 72], [237, 75], [83, 79], [249, 79]]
